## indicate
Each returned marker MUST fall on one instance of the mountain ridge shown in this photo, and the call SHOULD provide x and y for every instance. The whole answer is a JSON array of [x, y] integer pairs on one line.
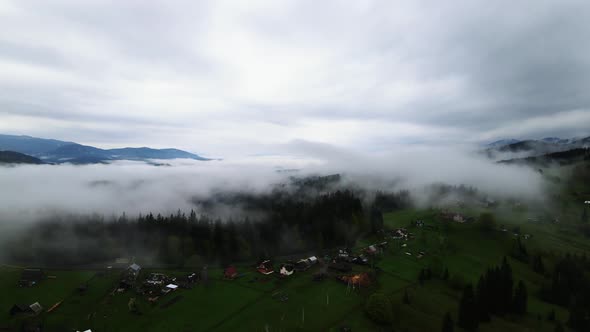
[[532, 147], [12, 157], [56, 151]]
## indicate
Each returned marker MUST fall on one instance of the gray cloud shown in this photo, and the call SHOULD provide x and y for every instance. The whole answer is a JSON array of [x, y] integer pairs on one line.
[[229, 78]]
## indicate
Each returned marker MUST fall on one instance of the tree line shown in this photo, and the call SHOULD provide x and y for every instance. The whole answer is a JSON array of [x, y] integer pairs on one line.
[[284, 224], [570, 287], [494, 294]]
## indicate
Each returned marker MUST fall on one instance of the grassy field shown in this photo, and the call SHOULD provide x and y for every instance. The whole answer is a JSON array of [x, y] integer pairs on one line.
[[247, 304]]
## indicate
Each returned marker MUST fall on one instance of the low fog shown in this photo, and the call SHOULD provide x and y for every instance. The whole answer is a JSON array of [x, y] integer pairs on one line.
[[31, 191]]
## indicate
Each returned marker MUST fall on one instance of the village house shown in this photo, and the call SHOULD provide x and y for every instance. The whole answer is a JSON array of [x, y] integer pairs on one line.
[[134, 269], [169, 288], [129, 277], [33, 309], [400, 234], [340, 266], [265, 267], [186, 281], [31, 277], [343, 254], [371, 250], [156, 279], [490, 203], [286, 269], [361, 260], [121, 262], [20, 309], [458, 218], [230, 272]]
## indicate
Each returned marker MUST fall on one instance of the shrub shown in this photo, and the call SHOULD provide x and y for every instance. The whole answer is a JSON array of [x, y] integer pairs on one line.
[[379, 309]]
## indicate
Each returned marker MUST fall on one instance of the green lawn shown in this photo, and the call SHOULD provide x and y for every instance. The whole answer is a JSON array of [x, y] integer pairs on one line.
[[248, 304]]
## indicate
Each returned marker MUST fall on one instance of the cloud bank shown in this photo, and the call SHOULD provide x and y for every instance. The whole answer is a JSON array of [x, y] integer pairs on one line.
[[228, 78], [29, 192]]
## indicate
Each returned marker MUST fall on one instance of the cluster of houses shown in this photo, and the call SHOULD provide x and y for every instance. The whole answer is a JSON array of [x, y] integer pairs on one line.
[[344, 258], [31, 277], [266, 267], [156, 285], [455, 217], [340, 262]]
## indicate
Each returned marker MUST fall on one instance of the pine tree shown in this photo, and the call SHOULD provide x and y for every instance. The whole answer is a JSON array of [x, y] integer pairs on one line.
[[447, 325], [559, 327], [467, 317], [505, 287], [422, 276], [551, 315], [538, 265], [376, 220], [482, 300], [520, 299], [578, 319], [406, 298]]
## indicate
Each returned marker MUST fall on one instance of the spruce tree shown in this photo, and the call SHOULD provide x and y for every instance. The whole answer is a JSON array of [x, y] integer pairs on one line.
[[422, 276], [559, 327], [406, 298], [505, 287], [520, 299], [482, 300], [551, 315], [467, 317], [447, 325], [538, 265]]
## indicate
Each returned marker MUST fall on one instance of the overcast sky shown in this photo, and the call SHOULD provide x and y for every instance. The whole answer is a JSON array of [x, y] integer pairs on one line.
[[226, 78]]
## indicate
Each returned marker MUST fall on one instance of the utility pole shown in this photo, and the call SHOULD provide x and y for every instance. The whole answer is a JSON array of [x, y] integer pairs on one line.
[[303, 315]]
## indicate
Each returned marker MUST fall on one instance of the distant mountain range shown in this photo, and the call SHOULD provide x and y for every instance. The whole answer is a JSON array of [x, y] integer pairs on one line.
[[55, 151], [561, 157], [513, 148], [501, 143], [11, 157]]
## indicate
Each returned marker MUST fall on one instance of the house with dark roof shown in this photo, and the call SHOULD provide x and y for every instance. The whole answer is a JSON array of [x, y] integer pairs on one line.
[[306, 263], [134, 268], [20, 309], [33, 309], [340, 266], [286, 269], [31, 277], [265, 267]]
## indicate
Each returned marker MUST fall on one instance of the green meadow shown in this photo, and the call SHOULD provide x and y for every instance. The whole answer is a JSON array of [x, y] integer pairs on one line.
[[250, 303]]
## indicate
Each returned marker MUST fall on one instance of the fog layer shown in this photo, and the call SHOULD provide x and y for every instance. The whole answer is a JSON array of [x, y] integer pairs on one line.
[[29, 192]]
